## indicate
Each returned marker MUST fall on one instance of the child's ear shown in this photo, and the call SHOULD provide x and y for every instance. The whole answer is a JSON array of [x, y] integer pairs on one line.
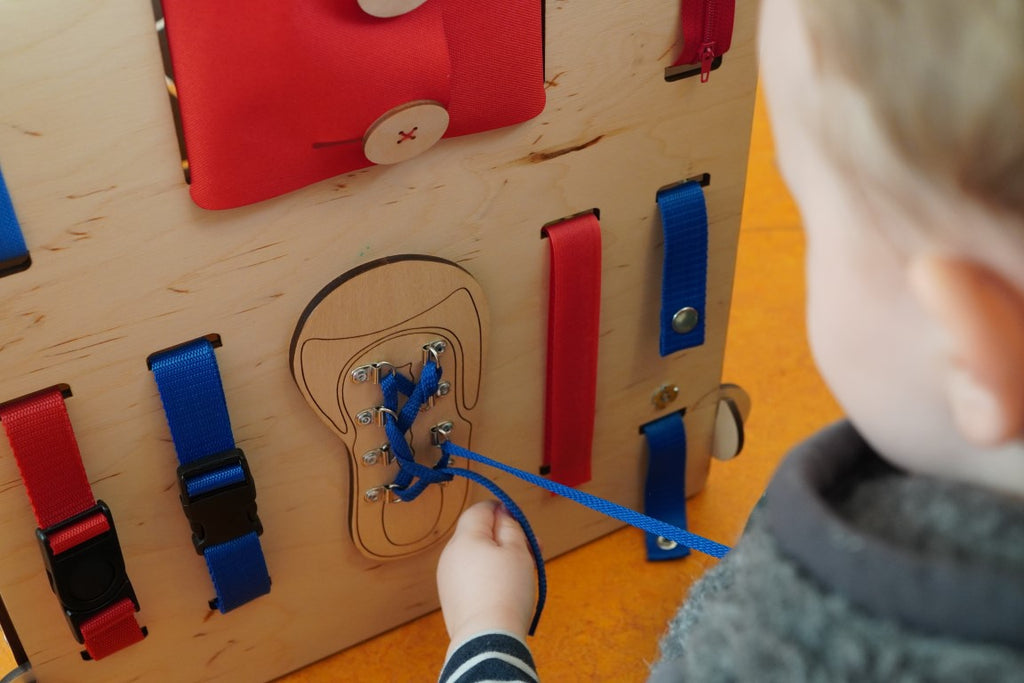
[[982, 316]]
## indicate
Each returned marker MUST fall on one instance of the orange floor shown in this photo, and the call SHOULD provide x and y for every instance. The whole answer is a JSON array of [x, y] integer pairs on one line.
[[606, 605]]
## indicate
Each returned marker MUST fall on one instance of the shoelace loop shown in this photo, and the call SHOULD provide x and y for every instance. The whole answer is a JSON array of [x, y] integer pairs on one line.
[[413, 477]]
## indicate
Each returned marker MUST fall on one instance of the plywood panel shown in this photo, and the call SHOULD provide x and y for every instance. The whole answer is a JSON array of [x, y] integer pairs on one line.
[[124, 264]]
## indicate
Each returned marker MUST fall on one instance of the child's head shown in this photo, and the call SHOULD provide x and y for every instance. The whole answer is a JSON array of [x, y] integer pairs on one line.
[[899, 126]]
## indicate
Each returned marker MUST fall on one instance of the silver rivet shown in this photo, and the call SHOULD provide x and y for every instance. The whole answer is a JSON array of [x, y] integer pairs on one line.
[[374, 495], [440, 432], [365, 417], [371, 458], [685, 320], [444, 388], [361, 374], [666, 543], [434, 350]]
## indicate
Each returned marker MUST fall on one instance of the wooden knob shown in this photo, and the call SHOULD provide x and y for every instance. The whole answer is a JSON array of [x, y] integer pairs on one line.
[[405, 131], [389, 8]]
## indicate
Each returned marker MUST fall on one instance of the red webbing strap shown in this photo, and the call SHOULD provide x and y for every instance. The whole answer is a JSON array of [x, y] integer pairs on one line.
[[77, 533], [573, 317], [111, 630], [44, 446]]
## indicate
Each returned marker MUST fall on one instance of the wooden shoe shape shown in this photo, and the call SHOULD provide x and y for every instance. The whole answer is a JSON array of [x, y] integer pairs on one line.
[[379, 318]]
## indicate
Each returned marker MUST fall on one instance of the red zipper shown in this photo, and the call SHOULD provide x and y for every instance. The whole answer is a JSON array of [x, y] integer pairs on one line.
[[707, 35], [707, 46]]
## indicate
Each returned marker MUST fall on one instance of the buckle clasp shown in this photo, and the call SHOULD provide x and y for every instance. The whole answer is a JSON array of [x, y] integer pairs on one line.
[[224, 513], [90, 576]]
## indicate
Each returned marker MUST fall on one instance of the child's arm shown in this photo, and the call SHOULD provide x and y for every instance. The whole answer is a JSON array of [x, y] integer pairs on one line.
[[486, 582]]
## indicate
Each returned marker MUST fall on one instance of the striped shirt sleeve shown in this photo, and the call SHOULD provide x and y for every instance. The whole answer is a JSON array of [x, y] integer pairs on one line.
[[494, 656]]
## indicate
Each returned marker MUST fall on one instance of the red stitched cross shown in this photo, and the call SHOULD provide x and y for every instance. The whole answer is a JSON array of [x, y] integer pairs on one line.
[[411, 135]]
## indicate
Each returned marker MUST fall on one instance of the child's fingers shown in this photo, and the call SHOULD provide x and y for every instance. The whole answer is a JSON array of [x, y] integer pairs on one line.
[[490, 521], [507, 531], [478, 520]]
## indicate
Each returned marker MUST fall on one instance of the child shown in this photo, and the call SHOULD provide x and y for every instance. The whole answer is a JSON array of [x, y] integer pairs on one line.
[[889, 547]]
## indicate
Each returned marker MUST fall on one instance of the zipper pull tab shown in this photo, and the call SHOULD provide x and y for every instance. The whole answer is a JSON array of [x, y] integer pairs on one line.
[[707, 56]]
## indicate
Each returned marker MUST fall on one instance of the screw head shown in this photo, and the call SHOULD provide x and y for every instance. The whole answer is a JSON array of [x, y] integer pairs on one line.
[[444, 388], [373, 495], [371, 458], [365, 417], [665, 395], [685, 320], [360, 374]]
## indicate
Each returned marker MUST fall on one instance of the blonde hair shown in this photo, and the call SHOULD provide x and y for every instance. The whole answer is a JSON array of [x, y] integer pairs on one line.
[[944, 80]]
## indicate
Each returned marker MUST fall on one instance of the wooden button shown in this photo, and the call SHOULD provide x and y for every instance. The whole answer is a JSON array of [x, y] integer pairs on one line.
[[389, 8], [404, 132]]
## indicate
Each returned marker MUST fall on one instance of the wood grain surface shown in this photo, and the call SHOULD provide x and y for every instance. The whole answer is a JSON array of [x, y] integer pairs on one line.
[[607, 605], [124, 264]]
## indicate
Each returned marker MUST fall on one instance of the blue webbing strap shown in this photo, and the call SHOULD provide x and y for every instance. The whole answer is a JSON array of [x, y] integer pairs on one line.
[[665, 489], [14, 255], [197, 413], [414, 477], [684, 275]]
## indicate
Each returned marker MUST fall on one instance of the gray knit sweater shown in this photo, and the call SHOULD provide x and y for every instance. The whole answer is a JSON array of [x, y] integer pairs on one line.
[[850, 570]]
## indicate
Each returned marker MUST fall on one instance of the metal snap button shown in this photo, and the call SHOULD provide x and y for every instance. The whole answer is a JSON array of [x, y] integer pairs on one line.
[[685, 320]]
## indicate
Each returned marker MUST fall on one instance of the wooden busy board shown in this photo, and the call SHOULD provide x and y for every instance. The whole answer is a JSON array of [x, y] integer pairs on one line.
[[125, 264]]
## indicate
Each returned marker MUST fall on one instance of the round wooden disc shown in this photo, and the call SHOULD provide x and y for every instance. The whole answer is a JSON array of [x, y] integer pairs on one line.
[[405, 131], [389, 8]]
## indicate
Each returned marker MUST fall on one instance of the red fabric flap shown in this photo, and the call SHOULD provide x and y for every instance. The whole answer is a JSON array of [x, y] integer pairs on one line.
[[274, 96]]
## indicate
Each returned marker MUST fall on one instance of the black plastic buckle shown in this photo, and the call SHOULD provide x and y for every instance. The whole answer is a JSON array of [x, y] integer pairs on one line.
[[89, 577], [222, 514]]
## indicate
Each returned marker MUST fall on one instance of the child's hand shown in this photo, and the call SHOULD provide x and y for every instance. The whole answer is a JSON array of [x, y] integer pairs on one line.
[[485, 576]]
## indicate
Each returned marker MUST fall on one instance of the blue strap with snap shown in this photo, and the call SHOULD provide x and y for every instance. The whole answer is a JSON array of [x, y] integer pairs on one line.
[[684, 221], [665, 489]]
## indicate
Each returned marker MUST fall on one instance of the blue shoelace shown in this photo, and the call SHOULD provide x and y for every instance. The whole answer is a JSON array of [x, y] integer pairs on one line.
[[413, 478]]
